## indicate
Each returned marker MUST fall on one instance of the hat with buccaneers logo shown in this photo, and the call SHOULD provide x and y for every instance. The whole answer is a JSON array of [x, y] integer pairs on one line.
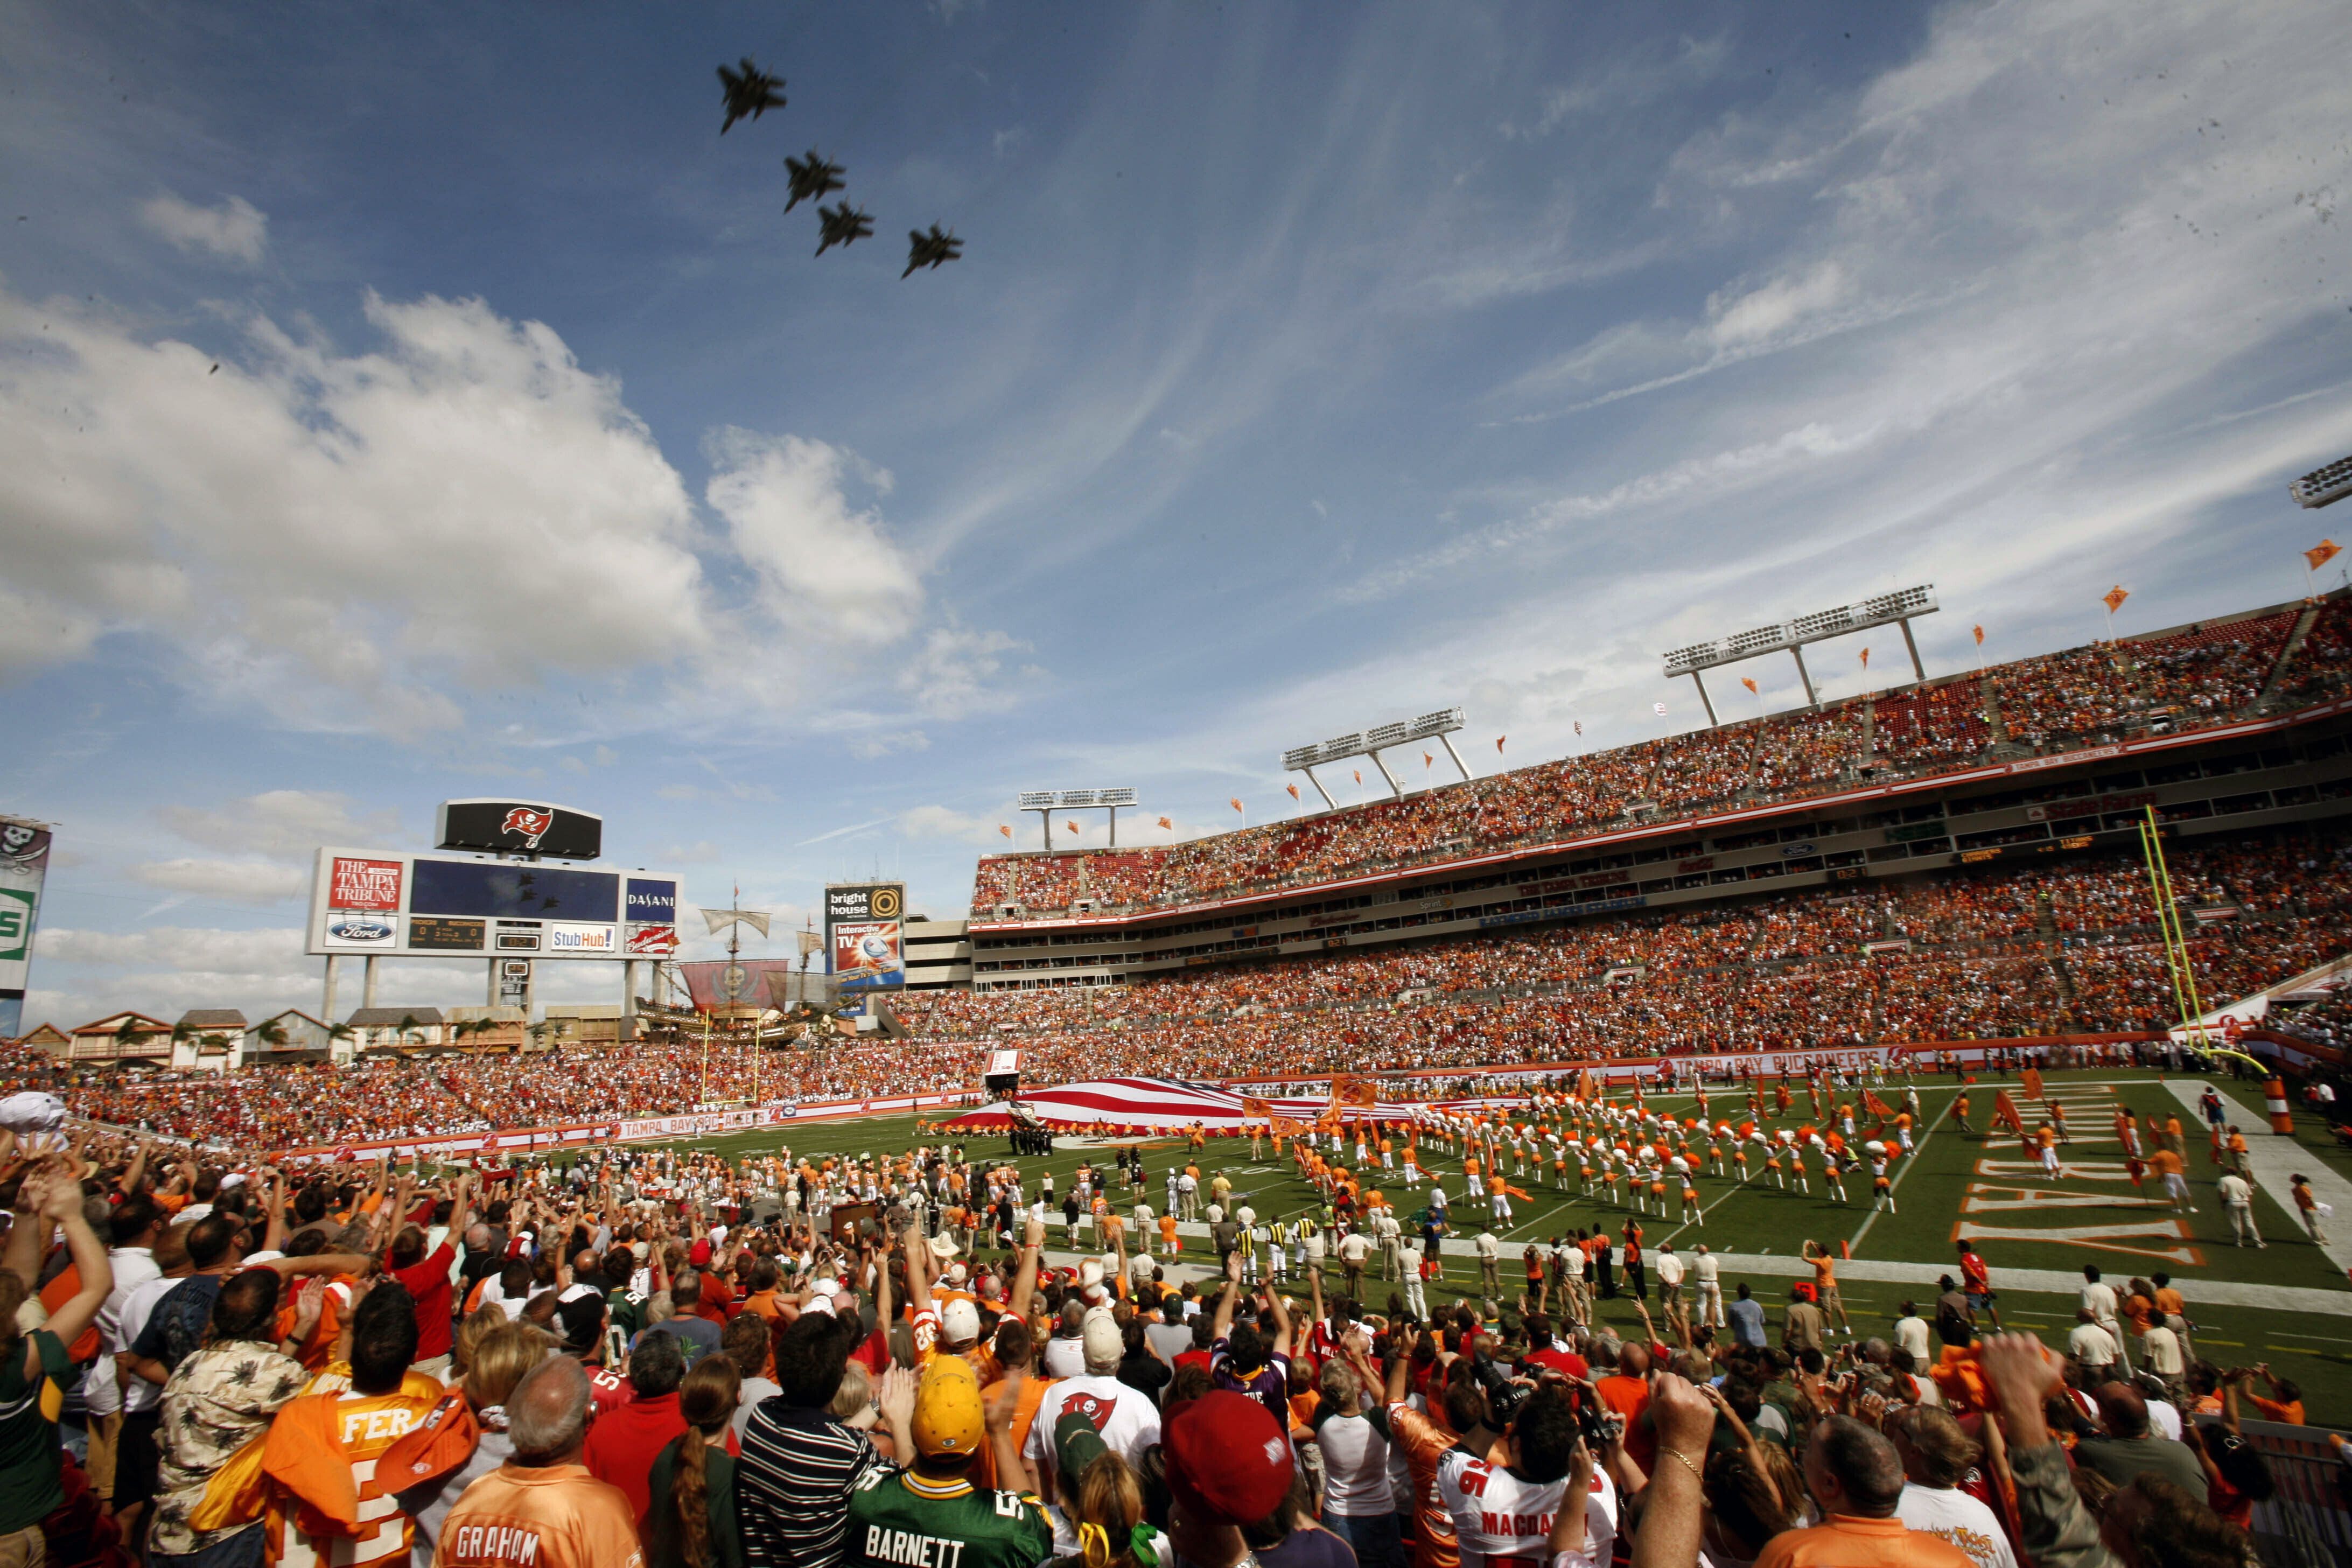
[[1228, 1459]]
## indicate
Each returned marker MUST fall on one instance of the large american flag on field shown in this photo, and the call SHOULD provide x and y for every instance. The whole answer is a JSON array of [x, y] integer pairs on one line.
[[1165, 1104]]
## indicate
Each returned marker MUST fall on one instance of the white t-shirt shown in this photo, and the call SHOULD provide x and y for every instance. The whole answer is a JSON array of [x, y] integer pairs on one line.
[[1355, 1468], [2100, 1296], [1065, 1356], [2090, 1344], [1956, 1516], [2164, 1418], [1127, 1420], [1911, 1333], [1496, 1514], [1670, 1268], [1706, 1268]]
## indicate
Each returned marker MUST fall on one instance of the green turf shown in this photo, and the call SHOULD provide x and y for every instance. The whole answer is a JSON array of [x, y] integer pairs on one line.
[[1757, 1218]]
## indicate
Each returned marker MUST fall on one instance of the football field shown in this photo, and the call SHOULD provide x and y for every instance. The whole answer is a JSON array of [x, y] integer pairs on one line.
[[2288, 1303]]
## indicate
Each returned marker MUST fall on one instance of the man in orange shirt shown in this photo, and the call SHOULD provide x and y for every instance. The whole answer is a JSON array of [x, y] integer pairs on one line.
[[1854, 1474], [543, 1509], [322, 1448]]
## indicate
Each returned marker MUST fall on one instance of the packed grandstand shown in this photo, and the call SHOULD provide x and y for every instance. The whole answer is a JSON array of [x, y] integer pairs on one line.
[[2061, 942]]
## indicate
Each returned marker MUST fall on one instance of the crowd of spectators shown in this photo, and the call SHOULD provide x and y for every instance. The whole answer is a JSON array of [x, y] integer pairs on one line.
[[655, 1361], [2081, 696], [2067, 947]]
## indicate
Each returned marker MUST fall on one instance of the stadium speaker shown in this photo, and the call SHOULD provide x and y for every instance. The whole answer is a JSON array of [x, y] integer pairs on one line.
[[1001, 1084]]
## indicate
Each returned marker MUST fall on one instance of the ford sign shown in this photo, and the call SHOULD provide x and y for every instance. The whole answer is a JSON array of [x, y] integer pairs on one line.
[[362, 928]]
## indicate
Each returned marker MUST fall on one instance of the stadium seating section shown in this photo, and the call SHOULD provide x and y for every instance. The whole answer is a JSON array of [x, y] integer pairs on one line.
[[1990, 952], [2204, 674]]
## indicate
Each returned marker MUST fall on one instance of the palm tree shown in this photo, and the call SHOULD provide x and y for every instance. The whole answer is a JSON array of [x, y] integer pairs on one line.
[[270, 1033], [338, 1032], [408, 1025], [128, 1032]]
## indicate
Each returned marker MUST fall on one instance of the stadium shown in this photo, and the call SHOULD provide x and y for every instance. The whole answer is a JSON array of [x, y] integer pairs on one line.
[[1868, 1086]]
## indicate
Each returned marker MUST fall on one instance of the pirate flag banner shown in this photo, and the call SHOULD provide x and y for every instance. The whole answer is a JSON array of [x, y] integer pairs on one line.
[[2033, 1083], [2004, 1113]]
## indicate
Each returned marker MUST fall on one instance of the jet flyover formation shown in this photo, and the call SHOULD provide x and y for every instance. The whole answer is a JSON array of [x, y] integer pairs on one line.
[[748, 93]]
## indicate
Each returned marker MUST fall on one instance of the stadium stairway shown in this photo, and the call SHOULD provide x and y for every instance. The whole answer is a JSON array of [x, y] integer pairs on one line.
[[2285, 661]]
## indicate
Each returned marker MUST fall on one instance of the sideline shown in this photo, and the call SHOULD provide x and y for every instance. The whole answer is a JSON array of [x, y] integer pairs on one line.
[[2271, 1165]]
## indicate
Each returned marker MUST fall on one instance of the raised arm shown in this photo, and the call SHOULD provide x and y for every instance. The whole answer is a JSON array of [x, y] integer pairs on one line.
[[1281, 1323], [1024, 1284], [1221, 1323], [61, 1205]]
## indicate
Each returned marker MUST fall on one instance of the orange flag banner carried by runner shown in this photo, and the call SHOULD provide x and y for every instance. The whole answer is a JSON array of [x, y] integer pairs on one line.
[[2321, 554], [1876, 1106], [1255, 1109], [1584, 1084], [1288, 1127], [2004, 1113], [1348, 1089], [2033, 1083]]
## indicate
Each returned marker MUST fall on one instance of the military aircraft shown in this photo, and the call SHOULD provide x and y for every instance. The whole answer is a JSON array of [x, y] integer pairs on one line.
[[844, 224], [751, 92], [813, 178], [934, 249]]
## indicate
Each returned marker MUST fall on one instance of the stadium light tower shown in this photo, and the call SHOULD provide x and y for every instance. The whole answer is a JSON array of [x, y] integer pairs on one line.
[[1439, 726], [1883, 609], [2324, 486], [1046, 802]]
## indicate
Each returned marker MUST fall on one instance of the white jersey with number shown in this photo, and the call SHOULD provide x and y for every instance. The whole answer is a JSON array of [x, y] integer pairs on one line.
[[1502, 1521]]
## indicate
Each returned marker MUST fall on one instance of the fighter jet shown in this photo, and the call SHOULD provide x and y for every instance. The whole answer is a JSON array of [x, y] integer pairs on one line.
[[751, 92], [844, 224], [934, 249], [813, 179]]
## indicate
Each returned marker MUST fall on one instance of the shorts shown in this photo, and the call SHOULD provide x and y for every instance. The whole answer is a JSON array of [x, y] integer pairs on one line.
[[1979, 1300], [137, 1459]]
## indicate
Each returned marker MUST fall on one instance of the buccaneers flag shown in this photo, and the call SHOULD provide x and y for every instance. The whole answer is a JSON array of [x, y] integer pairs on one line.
[[2004, 1113], [1255, 1109]]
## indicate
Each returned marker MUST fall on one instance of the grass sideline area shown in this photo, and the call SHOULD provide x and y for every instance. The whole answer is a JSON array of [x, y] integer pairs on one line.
[[1954, 1180]]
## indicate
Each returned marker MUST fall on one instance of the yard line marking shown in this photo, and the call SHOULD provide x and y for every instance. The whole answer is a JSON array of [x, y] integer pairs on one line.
[[1908, 1166]]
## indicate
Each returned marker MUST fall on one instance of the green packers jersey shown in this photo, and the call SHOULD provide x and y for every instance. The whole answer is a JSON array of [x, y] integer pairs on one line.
[[900, 1519]]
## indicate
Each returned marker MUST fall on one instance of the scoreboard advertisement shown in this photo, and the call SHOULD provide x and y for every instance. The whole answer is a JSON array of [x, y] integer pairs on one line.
[[24, 866], [866, 936], [443, 905]]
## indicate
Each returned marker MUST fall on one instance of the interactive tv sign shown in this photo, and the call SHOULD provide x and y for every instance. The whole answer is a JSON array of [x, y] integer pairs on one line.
[[441, 906]]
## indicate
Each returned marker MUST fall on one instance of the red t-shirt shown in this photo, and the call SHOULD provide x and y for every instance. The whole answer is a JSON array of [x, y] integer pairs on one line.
[[623, 1444], [1568, 1364], [429, 1282], [1199, 1357], [717, 1300]]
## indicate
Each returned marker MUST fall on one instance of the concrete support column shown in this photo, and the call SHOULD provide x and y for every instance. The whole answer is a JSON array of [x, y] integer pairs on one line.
[[327, 999], [367, 981]]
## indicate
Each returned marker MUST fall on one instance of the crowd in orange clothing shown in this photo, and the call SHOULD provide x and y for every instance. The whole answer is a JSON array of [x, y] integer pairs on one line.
[[2067, 947], [2083, 695]]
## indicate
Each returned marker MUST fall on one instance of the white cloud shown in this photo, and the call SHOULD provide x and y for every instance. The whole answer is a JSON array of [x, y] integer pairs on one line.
[[252, 882], [234, 231], [1737, 319], [889, 745], [956, 827], [824, 567], [281, 824], [326, 532], [949, 676]]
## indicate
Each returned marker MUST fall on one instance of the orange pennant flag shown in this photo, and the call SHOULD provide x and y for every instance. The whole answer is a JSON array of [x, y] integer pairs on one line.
[[1360, 775], [2321, 554], [1004, 830], [1168, 824], [1748, 682], [2114, 598], [1293, 789], [1428, 759], [1981, 636], [1865, 658], [1071, 826], [1235, 803], [1498, 744]]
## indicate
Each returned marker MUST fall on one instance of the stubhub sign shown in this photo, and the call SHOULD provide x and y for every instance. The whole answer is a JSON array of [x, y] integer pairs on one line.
[[652, 903]]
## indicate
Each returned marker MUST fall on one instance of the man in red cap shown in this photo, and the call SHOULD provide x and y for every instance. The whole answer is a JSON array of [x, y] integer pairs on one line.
[[1228, 1465]]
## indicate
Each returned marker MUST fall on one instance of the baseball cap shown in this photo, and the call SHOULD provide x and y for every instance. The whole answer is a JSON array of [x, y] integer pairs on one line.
[[698, 1254], [582, 1318], [960, 1322], [1100, 1338], [948, 1419], [1228, 1459], [1077, 1444]]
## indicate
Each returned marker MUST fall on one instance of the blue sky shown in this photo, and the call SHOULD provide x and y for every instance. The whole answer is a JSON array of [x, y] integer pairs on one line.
[[1307, 367]]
